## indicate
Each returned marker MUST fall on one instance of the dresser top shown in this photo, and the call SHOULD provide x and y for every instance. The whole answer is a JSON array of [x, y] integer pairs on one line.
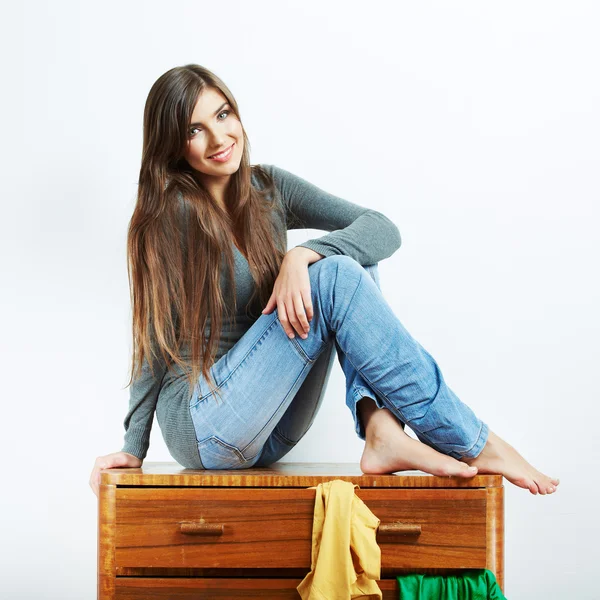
[[282, 474]]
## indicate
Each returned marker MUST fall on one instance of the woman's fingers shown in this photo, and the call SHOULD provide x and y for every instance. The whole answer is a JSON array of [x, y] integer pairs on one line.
[[291, 309], [289, 319], [293, 318], [306, 298], [294, 308], [283, 319], [111, 461], [95, 476], [96, 483], [301, 324], [102, 462]]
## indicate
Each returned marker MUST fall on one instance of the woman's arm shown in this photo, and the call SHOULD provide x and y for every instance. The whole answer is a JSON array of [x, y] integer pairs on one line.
[[143, 396], [365, 234]]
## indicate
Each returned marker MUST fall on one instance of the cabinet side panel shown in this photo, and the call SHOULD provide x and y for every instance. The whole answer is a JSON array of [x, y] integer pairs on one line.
[[495, 533], [106, 541]]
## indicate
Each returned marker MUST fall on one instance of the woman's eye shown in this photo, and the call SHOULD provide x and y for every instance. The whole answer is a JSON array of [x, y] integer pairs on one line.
[[225, 112]]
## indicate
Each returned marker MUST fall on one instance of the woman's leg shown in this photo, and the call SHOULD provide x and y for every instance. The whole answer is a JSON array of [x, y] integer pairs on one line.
[[388, 448], [260, 375], [300, 414], [408, 381], [392, 363], [257, 380], [303, 409], [356, 387]]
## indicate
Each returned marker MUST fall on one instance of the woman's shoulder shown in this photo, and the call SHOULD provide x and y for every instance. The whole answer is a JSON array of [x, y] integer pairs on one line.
[[270, 174], [265, 176], [261, 172]]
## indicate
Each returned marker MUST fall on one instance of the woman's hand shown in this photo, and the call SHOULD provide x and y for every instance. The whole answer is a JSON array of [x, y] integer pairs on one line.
[[110, 461], [291, 292]]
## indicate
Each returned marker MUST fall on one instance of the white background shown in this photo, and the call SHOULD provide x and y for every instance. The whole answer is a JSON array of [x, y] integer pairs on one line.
[[474, 126]]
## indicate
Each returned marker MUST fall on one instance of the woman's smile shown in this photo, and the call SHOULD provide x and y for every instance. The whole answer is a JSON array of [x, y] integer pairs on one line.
[[223, 156]]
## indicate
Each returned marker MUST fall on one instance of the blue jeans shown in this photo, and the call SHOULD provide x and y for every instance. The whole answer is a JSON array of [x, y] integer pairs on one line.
[[271, 386]]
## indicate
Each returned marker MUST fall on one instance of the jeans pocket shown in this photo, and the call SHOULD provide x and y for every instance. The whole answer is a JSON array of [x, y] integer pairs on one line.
[[217, 454]]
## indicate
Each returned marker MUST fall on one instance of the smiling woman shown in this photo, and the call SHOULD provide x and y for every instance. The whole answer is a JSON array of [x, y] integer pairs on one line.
[[199, 200], [216, 142], [196, 185]]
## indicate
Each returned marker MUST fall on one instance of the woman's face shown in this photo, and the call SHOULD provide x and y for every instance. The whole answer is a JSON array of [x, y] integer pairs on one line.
[[213, 128]]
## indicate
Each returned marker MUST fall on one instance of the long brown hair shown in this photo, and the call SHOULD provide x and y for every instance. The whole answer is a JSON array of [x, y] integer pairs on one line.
[[180, 238]]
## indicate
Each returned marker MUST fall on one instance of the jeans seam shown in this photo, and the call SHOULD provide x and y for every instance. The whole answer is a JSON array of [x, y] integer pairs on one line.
[[301, 351], [435, 446], [283, 438], [380, 393], [452, 453], [356, 393], [262, 335], [242, 450], [476, 438], [239, 455], [394, 410]]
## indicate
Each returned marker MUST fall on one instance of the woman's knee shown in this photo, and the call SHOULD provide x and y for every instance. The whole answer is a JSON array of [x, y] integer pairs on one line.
[[337, 263], [343, 264], [338, 271]]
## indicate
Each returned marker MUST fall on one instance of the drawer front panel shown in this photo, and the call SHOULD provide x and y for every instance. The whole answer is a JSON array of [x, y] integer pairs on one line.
[[272, 527], [225, 588]]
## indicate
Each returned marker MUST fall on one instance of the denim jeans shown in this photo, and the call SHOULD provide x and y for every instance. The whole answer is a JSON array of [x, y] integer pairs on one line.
[[271, 386]]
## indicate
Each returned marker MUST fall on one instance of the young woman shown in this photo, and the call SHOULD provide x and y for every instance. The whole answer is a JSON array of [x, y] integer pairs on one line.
[[207, 252]]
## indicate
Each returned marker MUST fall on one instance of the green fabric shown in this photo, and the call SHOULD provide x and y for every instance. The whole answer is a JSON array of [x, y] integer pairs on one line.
[[473, 584]]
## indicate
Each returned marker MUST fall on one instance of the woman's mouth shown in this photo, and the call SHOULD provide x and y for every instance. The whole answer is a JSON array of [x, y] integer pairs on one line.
[[223, 156]]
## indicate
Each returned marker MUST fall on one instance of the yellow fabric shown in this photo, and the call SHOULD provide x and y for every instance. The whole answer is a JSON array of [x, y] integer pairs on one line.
[[346, 560]]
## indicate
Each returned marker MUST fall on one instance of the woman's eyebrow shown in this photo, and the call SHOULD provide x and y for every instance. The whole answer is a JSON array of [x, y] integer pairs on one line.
[[214, 115]]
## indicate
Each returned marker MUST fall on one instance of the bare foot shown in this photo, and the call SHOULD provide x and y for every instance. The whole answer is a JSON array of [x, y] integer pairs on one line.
[[500, 457], [388, 448]]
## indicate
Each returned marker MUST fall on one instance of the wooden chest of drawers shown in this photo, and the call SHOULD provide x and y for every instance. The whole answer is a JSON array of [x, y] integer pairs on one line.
[[173, 533]]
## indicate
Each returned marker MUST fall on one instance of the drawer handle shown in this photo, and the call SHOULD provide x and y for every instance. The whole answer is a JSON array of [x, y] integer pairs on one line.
[[200, 528], [392, 529]]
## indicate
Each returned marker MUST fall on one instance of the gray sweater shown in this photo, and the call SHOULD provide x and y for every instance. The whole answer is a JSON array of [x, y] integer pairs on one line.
[[362, 233]]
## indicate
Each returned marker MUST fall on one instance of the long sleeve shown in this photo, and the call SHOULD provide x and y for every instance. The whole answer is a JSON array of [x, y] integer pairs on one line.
[[365, 234], [142, 403]]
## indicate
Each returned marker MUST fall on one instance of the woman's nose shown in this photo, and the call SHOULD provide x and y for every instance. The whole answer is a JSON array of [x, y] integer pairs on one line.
[[217, 137]]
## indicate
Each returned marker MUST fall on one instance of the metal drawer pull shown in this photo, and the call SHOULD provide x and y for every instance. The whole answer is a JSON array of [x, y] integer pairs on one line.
[[200, 528], [399, 529]]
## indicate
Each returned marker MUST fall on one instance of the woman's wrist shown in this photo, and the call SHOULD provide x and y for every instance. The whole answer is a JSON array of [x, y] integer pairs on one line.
[[306, 254]]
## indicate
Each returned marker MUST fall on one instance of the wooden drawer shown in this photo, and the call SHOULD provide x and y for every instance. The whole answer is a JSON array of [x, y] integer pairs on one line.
[[130, 588], [190, 527]]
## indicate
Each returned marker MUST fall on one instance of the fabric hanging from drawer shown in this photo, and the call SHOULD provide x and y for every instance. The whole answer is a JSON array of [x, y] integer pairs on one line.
[[471, 584], [346, 560]]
